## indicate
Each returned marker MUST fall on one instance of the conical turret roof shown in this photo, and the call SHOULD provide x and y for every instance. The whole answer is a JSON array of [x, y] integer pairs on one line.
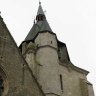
[[40, 25], [40, 10]]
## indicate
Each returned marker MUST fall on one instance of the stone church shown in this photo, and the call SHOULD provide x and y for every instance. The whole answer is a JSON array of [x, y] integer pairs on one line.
[[40, 66]]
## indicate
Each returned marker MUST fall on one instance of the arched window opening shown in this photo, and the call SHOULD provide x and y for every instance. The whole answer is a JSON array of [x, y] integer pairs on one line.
[[38, 18], [41, 17], [1, 85]]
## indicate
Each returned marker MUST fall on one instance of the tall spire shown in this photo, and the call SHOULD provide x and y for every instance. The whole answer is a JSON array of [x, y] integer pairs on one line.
[[40, 10], [40, 26], [40, 14]]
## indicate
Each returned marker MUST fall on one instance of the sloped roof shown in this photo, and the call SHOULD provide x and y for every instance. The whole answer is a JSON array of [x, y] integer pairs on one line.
[[39, 26], [40, 10], [12, 61]]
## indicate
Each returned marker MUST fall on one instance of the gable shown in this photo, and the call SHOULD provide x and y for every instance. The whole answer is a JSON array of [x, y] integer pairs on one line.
[[20, 79]]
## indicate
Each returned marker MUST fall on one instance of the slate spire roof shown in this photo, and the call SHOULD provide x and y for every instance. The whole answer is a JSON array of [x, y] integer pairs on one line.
[[41, 25], [40, 10]]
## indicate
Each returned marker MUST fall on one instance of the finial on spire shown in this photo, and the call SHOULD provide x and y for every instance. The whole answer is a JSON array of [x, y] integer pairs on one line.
[[39, 2]]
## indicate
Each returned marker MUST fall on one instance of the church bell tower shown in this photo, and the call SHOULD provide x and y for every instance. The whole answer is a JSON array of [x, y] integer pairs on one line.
[[41, 53], [49, 61]]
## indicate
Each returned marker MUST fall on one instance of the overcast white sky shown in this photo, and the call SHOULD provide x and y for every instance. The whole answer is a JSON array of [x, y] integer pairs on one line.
[[74, 22]]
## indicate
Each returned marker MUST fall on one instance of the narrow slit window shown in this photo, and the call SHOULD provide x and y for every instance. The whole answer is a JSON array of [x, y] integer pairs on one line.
[[61, 82], [51, 42], [1, 86]]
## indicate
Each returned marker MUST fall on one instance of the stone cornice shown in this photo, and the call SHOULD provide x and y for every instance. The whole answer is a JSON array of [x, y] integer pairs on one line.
[[46, 46], [69, 64]]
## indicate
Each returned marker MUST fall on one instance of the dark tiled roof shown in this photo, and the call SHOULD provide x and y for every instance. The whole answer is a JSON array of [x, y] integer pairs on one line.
[[38, 27], [40, 10]]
